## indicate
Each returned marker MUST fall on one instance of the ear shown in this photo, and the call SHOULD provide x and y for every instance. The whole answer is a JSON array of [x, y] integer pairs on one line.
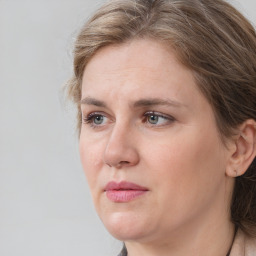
[[243, 149]]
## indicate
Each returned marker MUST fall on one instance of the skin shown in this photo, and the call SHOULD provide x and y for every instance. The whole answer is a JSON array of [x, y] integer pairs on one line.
[[179, 158]]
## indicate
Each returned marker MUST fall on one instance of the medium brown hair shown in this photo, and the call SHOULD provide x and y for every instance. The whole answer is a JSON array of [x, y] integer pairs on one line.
[[212, 39]]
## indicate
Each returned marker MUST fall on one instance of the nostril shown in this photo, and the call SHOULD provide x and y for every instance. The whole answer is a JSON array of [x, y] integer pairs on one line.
[[122, 163]]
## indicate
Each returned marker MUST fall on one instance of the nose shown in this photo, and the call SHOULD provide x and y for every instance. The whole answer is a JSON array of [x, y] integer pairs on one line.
[[121, 150]]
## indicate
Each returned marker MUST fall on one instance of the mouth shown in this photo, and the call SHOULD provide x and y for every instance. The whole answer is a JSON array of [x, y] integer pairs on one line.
[[124, 191]]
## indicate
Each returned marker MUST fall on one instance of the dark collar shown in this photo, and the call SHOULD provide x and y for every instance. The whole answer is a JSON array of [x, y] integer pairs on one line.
[[123, 252]]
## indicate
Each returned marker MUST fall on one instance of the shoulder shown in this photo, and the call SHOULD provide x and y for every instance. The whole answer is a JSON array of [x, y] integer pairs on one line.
[[244, 245]]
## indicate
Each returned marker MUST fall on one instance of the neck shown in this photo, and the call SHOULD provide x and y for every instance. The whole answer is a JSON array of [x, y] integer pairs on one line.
[[197, 244], [209, 236]]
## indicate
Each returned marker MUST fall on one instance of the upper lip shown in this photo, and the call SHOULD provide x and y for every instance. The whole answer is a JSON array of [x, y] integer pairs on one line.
[[123, 185]]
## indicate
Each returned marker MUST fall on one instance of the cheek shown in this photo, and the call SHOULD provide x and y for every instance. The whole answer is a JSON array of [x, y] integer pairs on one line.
[[187, 162], [91, 159]]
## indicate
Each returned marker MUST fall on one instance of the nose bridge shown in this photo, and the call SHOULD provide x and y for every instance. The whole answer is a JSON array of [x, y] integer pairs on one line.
[[121, 147]]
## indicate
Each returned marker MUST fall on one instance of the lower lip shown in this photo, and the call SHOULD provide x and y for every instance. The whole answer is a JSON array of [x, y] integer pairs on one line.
[[122, 196]]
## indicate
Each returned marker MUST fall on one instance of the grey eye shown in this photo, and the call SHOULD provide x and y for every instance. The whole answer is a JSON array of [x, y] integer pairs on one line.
[[98, 120], [153, 119]]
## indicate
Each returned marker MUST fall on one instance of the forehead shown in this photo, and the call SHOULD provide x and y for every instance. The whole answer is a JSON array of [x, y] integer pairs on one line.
[[146, 61], [139, 49]]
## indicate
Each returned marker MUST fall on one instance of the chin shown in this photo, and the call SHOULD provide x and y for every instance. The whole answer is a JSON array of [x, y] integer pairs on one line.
[[125, 226]]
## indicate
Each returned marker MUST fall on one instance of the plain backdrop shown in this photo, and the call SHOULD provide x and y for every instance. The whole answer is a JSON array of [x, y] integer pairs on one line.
[[45, 204]]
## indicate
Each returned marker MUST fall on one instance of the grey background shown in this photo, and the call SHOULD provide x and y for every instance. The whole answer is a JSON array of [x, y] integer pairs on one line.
[[45, 205]]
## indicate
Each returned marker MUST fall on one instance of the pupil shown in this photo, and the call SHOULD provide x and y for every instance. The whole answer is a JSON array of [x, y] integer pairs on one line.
[[153, 119]]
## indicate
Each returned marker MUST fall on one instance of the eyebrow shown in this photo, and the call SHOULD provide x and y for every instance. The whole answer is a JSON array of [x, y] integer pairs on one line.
[[147, 102], [93, 101], [156, 102]]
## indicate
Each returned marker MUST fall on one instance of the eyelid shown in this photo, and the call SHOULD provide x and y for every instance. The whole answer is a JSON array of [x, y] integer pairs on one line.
[[155, 113], [88, 118], [169, 119], [96, 113], [92, 114]]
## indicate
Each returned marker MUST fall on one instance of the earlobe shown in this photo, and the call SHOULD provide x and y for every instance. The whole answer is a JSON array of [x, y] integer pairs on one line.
[[244, 150]]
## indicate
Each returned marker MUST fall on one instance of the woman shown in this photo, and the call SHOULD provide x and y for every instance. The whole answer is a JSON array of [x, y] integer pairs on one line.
[[166, 97]]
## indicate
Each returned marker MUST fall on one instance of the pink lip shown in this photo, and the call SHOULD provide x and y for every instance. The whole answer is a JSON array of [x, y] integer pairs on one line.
[[123, 191]]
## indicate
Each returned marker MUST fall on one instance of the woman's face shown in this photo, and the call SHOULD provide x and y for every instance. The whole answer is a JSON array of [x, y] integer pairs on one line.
[[149, 144]]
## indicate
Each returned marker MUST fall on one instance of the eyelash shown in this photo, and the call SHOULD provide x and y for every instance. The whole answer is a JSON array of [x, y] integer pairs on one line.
[[89, 119], [167, 118]]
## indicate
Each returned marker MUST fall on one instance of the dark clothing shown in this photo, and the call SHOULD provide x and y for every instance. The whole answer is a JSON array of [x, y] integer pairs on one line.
[[123, 252]]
